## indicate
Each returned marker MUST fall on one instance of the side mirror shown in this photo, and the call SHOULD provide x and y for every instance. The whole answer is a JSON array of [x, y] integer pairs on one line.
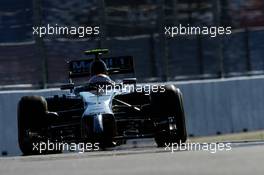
[[130, 81], [69, 86]]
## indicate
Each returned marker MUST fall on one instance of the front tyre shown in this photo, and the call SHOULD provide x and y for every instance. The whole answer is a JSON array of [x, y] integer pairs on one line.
[[31, 118], [167, 109]]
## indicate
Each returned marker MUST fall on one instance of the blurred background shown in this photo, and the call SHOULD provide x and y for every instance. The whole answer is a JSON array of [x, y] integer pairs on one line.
[[131, 28]]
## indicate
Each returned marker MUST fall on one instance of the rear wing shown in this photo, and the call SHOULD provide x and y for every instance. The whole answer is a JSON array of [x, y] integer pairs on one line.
[[115, 65]]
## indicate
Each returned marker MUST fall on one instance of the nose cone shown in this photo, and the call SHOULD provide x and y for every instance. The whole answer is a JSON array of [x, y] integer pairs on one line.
[[93, 124], [99, 128], [98, 123]]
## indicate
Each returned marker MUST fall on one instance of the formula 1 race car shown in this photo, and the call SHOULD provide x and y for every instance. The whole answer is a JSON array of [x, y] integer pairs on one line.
[[102, 111]]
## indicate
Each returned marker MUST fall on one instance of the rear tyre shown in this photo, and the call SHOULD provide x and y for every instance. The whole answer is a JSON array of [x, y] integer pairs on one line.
[[31, 118], [167, 108]]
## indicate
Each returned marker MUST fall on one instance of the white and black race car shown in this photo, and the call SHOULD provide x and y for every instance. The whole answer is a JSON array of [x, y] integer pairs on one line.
[[102, 111]]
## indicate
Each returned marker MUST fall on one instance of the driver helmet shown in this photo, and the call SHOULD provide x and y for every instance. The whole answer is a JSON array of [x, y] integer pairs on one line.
[[100, 78], [98, 67], [98, 72]]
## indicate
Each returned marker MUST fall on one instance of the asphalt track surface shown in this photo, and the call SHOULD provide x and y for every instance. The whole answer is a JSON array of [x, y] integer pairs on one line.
[[245, 158]]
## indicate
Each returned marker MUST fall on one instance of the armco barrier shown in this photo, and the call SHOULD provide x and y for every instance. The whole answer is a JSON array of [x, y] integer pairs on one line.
[[211, 107], [224, 106]]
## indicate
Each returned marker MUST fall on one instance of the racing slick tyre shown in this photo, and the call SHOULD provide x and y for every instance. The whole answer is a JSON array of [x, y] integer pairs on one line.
[[167, 108], [31, 117]]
